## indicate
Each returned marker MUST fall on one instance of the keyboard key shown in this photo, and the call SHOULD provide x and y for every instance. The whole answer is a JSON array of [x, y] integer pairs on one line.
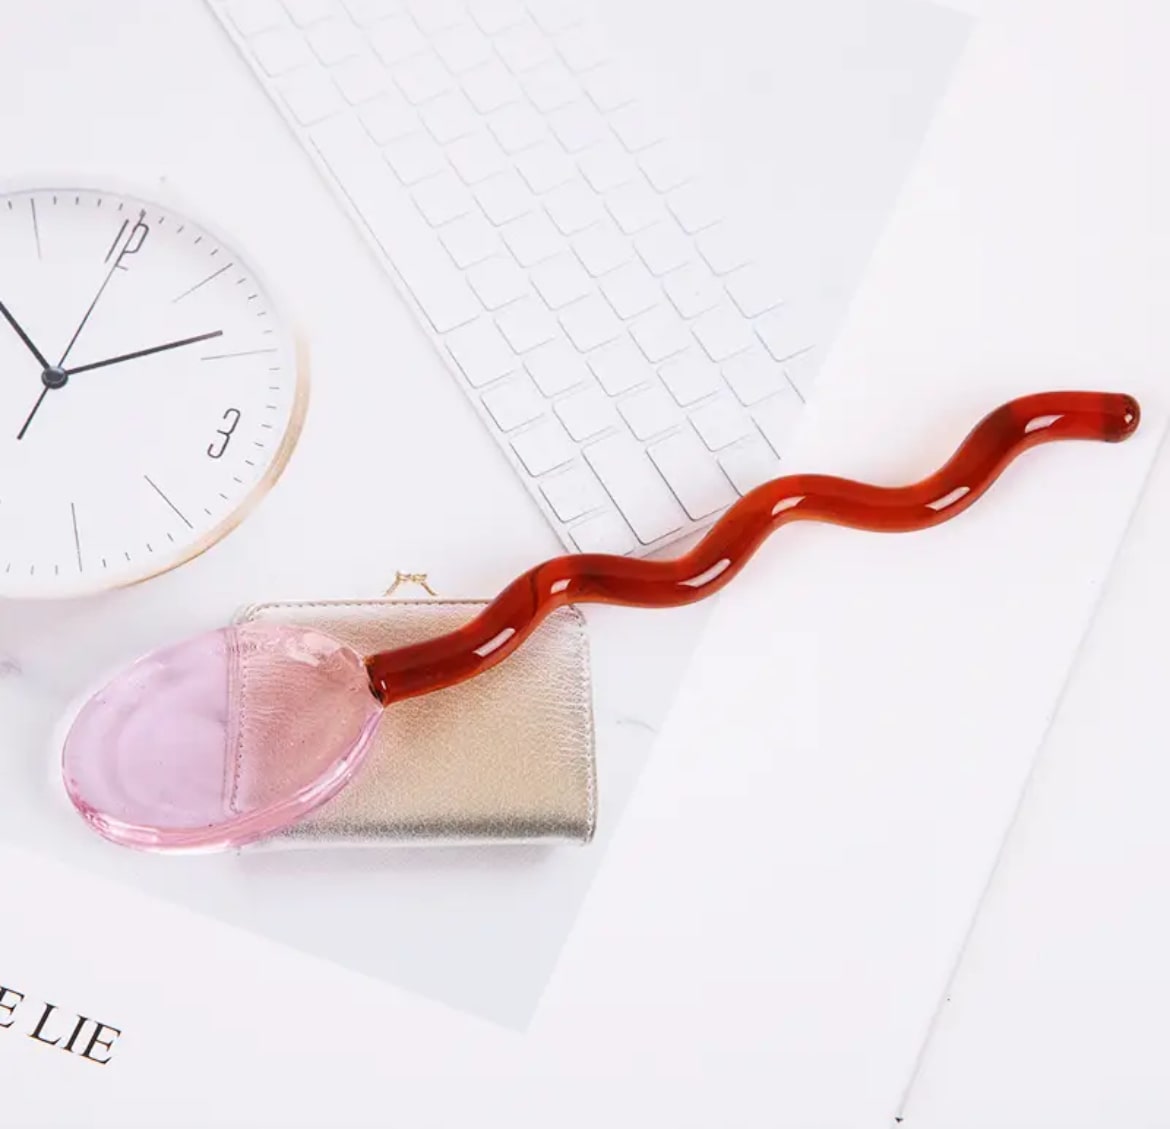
[[724, 247], [334, 41], [252, 16], [649, 412], [634, 206], [361, 78], [618, 367], [561, 280], [777, 418], [494, 15], [555, 367], [696, 481], [636, 127], [517, 126], [782, 333], [631, 290], [414, 158], [636, 486], [449, 117], [514, 402], [532, 238], [582, 47], [279, 51], [469, 240], [481, 352], [550, 86], [396, 39], [601, 248], [424, 268], [721, 422], [750, 463], [442, 198], [590, 322], [722, 332], [609, 86], [660, 334], [366, 13], [306, 12], [753, 289], [753, 375], [692, 289], [577, 126], [490, 86], [605, 533], [388, 117], [526, 324], [801, 370], [544, 166], [666, 165], [586, 413], [695, 207], [310, 95], [477, 157], [663, 247], [605, 166], [522, 47], [543, 446], [422, 78], [504, 197], [689, 377], [435, 15], [497, 281], [573, 207], [552, 16], [462, 48], [573, 492]]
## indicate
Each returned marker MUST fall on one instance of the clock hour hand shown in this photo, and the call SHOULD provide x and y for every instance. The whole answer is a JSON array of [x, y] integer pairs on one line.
[[23, 336], [144, 352]]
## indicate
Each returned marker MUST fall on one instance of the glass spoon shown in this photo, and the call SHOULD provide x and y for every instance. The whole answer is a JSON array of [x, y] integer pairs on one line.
[[231, 735]]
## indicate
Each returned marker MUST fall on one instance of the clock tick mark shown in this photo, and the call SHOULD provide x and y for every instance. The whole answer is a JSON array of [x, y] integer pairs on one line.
[[230, 356], [198, 240], [154, 486], [204, 282], [76, 537], [224, 497], [36, 227]]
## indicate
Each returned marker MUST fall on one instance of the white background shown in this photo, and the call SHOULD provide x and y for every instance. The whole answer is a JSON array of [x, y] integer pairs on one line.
[[779, 912], [394, 470]]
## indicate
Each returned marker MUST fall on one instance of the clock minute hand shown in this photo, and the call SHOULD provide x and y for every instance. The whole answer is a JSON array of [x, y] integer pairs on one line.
[[23, 336], [144, 352]]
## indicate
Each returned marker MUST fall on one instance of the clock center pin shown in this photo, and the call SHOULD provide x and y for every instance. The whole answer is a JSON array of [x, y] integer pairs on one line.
[[54, 377]]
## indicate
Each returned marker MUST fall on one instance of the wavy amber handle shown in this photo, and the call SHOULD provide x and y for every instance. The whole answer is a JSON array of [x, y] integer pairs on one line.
[[597, 578]]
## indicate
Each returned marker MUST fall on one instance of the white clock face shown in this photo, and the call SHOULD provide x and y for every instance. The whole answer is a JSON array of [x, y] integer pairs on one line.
[[149, 390]]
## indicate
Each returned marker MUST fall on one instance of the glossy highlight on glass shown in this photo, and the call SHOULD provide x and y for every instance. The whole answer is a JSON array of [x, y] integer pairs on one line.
[[227, 737]]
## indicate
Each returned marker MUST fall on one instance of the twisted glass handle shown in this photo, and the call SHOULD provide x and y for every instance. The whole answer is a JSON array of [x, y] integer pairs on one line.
[[599, 578]]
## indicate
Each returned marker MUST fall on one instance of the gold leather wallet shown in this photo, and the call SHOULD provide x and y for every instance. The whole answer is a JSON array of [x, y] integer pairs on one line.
[[506, 757]]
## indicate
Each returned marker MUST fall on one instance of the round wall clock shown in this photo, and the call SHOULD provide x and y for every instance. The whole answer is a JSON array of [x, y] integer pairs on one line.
[[150, 390]]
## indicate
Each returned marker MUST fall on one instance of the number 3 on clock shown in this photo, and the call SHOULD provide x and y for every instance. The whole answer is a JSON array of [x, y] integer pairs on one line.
[[215, 449]]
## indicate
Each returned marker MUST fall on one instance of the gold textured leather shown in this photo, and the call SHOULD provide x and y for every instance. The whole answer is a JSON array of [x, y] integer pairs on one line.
[[505, 757]]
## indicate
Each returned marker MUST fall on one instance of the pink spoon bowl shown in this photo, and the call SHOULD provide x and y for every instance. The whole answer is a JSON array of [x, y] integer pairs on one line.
[[221, 739]]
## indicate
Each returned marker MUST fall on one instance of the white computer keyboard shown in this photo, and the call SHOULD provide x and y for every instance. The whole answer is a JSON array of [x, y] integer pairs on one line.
[[637, 366]]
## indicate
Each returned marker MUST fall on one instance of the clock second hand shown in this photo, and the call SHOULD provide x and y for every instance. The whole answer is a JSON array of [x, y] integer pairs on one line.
[[58, 377]]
